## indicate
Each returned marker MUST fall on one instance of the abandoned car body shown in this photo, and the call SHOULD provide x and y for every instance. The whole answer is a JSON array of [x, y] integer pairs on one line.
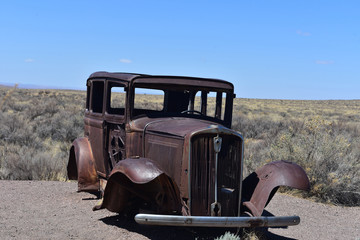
[[175, 161]]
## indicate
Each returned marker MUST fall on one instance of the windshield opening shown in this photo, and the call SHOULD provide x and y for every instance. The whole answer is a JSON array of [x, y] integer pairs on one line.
[[188, 102]]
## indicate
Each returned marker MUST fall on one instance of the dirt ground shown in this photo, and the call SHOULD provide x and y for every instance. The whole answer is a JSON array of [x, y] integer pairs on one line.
[[54, 210]]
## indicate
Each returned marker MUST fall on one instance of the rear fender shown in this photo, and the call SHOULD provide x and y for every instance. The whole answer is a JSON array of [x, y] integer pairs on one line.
[[261, 185], [81, 166], [134, 181]]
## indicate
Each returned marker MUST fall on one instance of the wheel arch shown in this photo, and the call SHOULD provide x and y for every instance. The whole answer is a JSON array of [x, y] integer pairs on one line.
[[81, 166], [260, 186], [141, 179]]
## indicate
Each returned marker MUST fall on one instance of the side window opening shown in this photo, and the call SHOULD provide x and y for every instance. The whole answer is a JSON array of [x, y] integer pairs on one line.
[[117, 98], [148, 100], [97, 96]]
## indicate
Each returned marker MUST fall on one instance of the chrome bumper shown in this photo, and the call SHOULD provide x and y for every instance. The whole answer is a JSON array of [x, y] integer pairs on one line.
[[200, 221]]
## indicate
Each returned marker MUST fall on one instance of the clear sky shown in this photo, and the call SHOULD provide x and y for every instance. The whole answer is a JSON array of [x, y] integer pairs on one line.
[[288, 49]]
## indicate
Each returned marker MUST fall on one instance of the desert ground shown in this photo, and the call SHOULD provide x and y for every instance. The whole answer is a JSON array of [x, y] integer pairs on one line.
[[54, 210]]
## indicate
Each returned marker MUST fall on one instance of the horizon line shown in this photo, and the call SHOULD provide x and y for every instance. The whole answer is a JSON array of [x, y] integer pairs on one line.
[[48, 87]]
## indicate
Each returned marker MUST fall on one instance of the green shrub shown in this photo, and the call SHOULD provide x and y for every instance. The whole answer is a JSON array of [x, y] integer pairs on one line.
[[245, 234], [228, 236]]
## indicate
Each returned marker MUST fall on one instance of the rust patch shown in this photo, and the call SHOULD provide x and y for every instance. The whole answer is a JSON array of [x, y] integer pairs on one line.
[[191, 161]]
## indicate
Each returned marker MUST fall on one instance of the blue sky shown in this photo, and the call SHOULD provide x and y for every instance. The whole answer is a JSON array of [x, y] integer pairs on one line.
[[268, 49]]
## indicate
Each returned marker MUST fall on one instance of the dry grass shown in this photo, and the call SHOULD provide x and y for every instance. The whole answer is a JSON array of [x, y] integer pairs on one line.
[[279, 110], [321, 136], [38, 126]]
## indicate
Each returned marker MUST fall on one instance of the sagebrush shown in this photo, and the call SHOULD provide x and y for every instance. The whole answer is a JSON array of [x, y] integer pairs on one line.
[[38, 126]]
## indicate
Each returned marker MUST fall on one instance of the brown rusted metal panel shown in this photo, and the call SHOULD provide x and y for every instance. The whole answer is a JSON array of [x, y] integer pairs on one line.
[[172, 161], [140, 179], [203, 174], [260, 184], [138, 170], [173, 81], [82, 166]]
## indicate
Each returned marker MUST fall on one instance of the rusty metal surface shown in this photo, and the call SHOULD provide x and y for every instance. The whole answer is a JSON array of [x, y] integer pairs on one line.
[[260, 184], [179, 126], [203, 178], [94, 129], [174, 161], [140, 180], [181, 81], [138, 170], [81, 166], [161, 79], [168, 147], [164, 138]]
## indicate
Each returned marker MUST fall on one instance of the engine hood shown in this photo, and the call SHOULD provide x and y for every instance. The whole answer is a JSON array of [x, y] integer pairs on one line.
[[176, 126]]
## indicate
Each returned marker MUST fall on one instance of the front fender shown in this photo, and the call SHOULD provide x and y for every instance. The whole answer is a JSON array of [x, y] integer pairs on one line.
[[138, 170], [134, 181], [81, 166], [259, 186]]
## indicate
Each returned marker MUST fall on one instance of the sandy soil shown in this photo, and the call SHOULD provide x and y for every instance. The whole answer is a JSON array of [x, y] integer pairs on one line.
[[53, 210]]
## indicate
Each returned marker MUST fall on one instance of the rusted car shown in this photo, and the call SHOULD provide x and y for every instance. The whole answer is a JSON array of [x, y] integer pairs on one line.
[[174, 160]]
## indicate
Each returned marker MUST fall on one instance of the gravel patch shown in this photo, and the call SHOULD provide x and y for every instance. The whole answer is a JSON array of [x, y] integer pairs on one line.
[[54, 210]]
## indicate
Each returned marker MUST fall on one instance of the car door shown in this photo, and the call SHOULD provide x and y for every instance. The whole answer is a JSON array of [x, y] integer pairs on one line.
[[115, 112], [94, 124]]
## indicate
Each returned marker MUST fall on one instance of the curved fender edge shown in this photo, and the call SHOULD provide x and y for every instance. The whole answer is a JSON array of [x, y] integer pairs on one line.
[[139, 178], [81, 166], [263, 183], [138, 170]]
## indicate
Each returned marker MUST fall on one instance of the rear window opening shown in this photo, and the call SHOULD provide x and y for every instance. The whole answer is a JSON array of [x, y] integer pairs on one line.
[[97, 96]]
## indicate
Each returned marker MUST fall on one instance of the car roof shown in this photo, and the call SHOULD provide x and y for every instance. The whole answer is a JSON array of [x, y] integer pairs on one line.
[[163, 79]]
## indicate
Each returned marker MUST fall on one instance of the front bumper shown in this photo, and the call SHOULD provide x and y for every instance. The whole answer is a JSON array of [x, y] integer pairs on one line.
[[227, 222]]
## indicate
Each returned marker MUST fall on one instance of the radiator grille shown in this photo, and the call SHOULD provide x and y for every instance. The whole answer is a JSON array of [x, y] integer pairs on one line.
[[203, 174]]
